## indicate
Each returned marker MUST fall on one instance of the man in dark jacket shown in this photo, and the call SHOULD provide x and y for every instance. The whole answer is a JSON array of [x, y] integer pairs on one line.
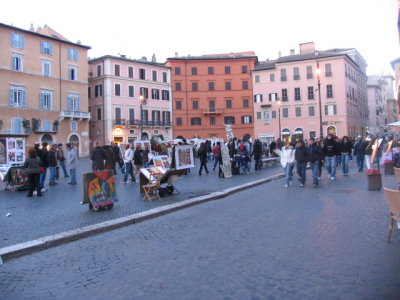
[[117, 155], [257, 153], [314, 155], [137, 160], [53, 164], [97, 156], [330, 152], [359, 152], [300, 156], [44, 157]]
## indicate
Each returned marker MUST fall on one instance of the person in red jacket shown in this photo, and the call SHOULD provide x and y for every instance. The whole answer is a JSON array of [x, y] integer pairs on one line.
[[216, 150]]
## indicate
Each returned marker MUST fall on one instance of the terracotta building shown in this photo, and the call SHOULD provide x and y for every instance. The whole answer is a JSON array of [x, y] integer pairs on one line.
[[129, 99], [287, 94], [210, 91], [43, 87]]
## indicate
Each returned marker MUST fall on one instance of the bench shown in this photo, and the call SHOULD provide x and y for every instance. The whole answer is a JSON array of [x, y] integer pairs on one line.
[[269, 161]]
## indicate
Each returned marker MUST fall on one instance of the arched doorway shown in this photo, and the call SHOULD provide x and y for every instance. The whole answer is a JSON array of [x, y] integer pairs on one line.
[[74, 141], [331, 130], [144, 136], [298, 133], [285, 134], [47, 138]]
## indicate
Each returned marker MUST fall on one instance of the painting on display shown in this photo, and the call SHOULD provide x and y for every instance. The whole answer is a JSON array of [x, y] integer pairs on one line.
[[3, 151], [153, 173], [142, 144], [184, 157], [162, 161], [15, 151], [99, 188]]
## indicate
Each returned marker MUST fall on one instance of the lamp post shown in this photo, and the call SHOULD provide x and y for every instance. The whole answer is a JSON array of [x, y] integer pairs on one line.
[[318, 71], [278, 103], [141, 99]]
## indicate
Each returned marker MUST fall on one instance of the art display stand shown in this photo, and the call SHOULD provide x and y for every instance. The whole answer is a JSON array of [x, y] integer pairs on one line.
[[16, 179]]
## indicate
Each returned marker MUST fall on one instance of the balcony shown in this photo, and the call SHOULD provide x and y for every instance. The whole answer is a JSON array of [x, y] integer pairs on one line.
[[79, 115], [212, 111], [119, 122], [16, 133], [42, 129]]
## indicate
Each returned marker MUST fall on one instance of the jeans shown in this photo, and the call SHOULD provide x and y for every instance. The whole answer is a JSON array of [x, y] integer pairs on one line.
[[331, 165], [301, 171], [360, 162], [128, 171], [62, 164], [52, 174], [246, 166], [338, 160], [315, 171], [288, 173], [216, 160], [345, 163], [73, 175], [43, 177]]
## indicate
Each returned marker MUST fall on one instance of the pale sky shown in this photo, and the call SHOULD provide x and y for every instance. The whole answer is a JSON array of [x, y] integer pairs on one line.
[[163, 27]]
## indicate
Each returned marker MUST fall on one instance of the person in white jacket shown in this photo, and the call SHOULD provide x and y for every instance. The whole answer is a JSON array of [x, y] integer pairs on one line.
[[287, 162], [128, 156]]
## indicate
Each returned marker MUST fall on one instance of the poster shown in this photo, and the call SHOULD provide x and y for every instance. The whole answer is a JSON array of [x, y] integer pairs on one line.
[[184, 157], [3, 151], [15, 150], [153, 173], [162, 161], [99, 188]]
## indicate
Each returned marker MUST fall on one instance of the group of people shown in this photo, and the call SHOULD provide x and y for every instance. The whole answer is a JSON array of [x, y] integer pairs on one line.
[[40, 160]]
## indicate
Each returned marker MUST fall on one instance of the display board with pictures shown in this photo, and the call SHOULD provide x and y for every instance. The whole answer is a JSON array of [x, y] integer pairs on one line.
[[184, 157], [153, 173], [162, 161], [13, 149]]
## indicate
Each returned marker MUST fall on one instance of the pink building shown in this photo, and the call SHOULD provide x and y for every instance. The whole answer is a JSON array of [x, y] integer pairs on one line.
[[129, 99], [286, 95]]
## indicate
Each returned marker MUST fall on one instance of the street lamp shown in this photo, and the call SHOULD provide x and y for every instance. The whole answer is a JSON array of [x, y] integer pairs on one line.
[[318, 72], [141, 99], [278, 103]]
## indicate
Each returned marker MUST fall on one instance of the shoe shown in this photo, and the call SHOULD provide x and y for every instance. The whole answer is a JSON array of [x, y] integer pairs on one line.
[[53, 183], [43, 190], [301, 185], [314, 186], [346, 174], [72, 183], [213, 169], [332, 178], [286, 185], [124, 182], [34, 192], [200, 174]]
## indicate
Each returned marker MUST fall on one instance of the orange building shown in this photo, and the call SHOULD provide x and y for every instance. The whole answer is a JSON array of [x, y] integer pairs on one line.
[[212, 90]]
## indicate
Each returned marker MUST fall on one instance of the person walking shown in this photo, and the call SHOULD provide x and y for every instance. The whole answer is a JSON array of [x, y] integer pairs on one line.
[[109, 159], [53, 164], [330, 151], [345, 147], [97, 156], [257, 154], [209, 149], [216, 154], [368, 151], [61, 161], [128, 157], [300, 156], [244, 151], [137, 160], [145, 156], [32, 167], [72, 162], [314, 155], [359, 152], [287, 157], [202, 153], [44, 157], [117, 155]]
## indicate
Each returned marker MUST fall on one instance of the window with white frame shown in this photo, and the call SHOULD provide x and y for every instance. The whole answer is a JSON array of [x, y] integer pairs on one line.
[[45, 100], [297, 94], [73, 103], [311, 111], [46, 68], [73, 54], [72, 73], [17, 97], [98, 90], [246, 119], [267, 115], [117, 89], [258, 98], [17, 40], [330, 110], [298, 111], [46, 47], [17, 62], [329, 91], [74, 126], [17, 125]]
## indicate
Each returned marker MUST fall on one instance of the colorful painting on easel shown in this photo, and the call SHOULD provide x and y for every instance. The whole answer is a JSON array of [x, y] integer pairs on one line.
[[99, 188]]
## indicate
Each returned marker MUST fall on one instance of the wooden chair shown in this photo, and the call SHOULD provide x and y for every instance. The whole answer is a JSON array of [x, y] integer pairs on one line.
[[393, 202], [151, 189], [397, 173]]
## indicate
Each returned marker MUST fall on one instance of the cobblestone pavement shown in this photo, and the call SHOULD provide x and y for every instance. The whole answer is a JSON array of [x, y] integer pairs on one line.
[[267, 242], [60, 210]]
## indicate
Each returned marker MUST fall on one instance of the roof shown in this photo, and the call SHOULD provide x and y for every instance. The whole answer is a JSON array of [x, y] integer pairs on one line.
[[129, 60], [54, 38], [244, 55]]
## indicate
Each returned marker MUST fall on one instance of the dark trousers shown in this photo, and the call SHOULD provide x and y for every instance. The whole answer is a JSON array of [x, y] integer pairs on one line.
[[360, 162], [203, 164], [301, 171], [34, 184], [258, 163]]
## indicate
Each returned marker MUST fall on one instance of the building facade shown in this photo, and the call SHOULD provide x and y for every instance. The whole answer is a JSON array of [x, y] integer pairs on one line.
[[210, 91], [289, 91], [377, 105], [43, 87], [129, 99], [392, 110]]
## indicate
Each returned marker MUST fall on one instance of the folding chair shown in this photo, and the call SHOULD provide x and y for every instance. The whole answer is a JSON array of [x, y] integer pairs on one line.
[[151, 189], [393, 202]]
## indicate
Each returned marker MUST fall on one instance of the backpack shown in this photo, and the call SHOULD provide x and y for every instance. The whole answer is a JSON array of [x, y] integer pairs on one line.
[[242, 147]]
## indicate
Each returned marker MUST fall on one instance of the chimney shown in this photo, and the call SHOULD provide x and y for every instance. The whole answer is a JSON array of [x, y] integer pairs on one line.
[[292, 52], [307, 47], [279, 54], [153, 58], [32, 28]]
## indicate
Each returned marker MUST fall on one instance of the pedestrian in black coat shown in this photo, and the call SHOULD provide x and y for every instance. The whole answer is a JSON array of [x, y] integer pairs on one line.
[[301, 156], [202, 152], [109, 158], [257, 154], [97, 156]]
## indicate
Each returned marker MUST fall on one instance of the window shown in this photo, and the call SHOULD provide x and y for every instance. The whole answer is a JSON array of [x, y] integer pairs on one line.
[[245, 85], [194, 86], [297, 95], [313, 134], [329, 91], [298, 111], [98, 70], [258, 98], [259, 116], [17, 125], [267, 115], [164, 77], [155, 94], [72, 73], [310, 74], [257, 78], [296, 73], [229, 103], [17, 40], [74, 126], [142, 74], [45, 100], [195, 121], [211, 105], [310, 90], [154, 73], [98, 90], [98, 114], [195, 104], [130, 72], [46, 68], [311, 111], [131, 115], [328, 70], [244, 69], [89, 92], [228, 85], [246, 119], [284, 95], [117, 71], [73, 103], [165, 95], [227, 70], [177, 71], [194, 71], [177, 86], [210, 70], [131, 91], [73, 54], [213, 121], [272, 97], [46, 47], [272, 77], [211, 86], [17, 97], [245, 103], [178, 105], [17, 62], [117, 115], [273, 114], [285, 112], [330, 110], [117, 89], [144, 92], [283, 75], [229, 120], [178, 121]]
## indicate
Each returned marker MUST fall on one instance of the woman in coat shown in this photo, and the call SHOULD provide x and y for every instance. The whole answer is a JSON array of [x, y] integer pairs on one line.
[[202, 152], [32, 167], [109, 158]]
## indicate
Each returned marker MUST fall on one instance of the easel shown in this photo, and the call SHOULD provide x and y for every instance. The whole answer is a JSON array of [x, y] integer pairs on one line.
[[16, 180]]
